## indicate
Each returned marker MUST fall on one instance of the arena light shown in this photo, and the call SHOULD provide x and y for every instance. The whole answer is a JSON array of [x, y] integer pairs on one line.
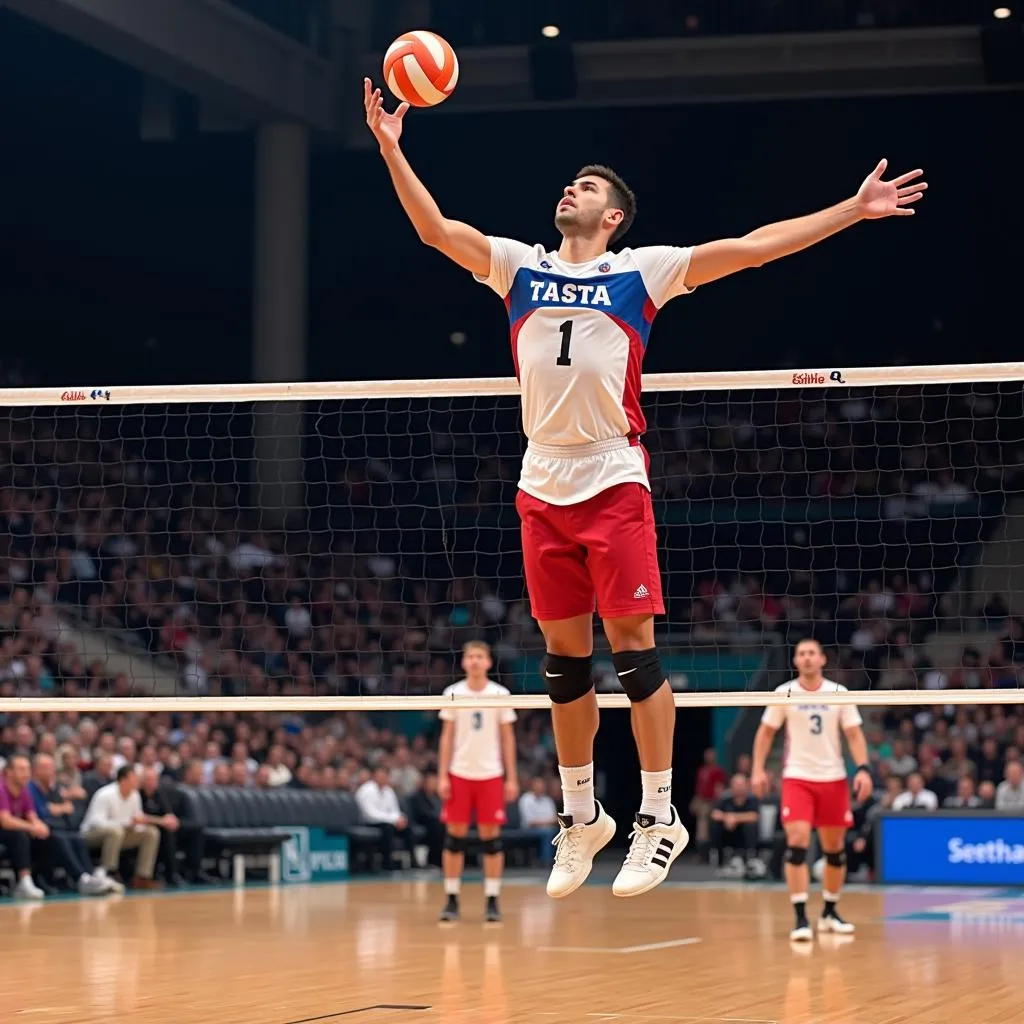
[[1002, 13], [553, 31]]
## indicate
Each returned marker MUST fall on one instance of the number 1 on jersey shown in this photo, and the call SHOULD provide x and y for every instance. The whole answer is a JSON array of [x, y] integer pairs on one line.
[[563, 355]]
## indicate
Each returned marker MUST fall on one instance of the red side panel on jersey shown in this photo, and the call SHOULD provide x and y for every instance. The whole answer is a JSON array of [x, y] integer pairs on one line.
[[516, 328], [634, 368]]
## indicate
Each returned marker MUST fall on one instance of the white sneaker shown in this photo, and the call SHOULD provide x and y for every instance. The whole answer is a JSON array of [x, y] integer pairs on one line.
[[576, 846], [834, 924], [105, 883], [653, 848], [26, 889], [90, 885], [801, 934]]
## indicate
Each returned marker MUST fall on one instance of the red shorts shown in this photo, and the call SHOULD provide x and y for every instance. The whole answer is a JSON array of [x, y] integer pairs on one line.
[[823, 804], [601, 553], [484, 796]]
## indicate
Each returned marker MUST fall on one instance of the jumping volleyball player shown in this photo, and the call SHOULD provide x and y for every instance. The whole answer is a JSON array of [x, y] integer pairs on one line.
[[581, 316], [815, 791]]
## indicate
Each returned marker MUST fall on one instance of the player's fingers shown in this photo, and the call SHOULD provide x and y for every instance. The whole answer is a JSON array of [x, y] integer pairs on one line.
[[901, 212], [904, 200], [403, 109], [880, 169], [909, 189], [909, 176]]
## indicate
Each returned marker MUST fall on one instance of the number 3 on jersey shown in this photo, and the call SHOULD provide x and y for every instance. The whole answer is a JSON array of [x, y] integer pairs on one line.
[[563, 353], [815, 725], [478, 719]]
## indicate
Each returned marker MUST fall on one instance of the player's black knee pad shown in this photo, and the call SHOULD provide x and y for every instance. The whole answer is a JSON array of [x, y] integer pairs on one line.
[[639, 673], [456, 844], [491, 846], [836, 860], [567, 679], [796, 855]]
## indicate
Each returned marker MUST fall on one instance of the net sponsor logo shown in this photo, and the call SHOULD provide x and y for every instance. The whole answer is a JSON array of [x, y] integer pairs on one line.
[[83, 396], [808, 378], [994, 851]]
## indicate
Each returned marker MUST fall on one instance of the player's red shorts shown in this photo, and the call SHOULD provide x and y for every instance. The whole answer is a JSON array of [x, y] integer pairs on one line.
[[823, 804], [600, 553], [484, 796]]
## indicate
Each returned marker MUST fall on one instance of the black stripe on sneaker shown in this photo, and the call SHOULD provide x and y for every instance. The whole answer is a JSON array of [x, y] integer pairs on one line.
[[665, 846], [659, 860]]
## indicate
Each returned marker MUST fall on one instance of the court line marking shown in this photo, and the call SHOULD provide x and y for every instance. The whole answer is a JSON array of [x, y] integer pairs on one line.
[[622, 950], [361, 1009]]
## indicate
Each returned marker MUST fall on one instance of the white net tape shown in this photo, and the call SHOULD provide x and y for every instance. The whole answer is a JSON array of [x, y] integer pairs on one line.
[[146, 562]]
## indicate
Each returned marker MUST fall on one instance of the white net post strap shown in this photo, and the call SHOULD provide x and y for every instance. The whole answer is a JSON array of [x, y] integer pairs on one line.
[[519, 701], [470, 387]]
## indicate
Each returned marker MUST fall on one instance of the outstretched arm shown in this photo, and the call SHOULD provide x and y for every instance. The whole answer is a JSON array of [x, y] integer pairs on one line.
[[875, 199], [459, 242]]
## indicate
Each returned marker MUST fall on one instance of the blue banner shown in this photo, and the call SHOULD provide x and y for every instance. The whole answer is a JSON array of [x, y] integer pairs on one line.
[[311, 855], [946, 848]]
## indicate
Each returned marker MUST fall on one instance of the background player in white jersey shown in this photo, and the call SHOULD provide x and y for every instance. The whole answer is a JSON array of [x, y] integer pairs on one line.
[[815, 790], [476, 777], [580, 318]]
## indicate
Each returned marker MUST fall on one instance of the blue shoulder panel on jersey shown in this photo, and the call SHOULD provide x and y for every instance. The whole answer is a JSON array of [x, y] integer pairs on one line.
[[622, 296]]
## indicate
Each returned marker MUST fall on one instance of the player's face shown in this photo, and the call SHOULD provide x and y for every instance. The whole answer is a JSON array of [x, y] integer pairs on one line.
[[809, 659], [476, 662], [584, 208]]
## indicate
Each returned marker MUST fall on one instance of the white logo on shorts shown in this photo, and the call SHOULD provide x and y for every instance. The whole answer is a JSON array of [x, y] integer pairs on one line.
[[641, 592]]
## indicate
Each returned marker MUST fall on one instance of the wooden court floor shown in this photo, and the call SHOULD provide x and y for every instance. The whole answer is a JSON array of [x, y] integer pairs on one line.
[[330, 954]]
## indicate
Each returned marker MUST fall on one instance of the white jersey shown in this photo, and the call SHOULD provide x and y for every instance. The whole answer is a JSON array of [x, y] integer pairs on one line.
[[814, 743], [476, 746], [579, 332]]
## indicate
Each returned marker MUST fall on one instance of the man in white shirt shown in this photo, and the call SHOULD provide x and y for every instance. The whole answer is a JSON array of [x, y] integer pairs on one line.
[[477, 776], [537, 811], [1010, 792], [815, 790], [114, 822], [378, 804], [915, 797]]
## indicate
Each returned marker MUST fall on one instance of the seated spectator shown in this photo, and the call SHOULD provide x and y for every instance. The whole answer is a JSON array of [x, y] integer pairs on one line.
[[987, 794], [915, 797], [101, 774], [966, 798], [538, 813], [1010, 792], [64, 847], [19, 825], [156, 810], [901, 762], [958, 764], [711, 779], [734, 825], [114, 822], [378, 804], [425, 811], [990, 763]]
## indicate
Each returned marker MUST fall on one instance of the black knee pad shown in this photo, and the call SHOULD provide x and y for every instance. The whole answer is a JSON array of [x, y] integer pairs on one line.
[[796, 855], [639, 673], [836, 860], [567, 679], [456, 844], [490, 846]]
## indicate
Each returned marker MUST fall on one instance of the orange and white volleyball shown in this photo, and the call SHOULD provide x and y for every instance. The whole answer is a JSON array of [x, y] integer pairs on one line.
[[421, 68]]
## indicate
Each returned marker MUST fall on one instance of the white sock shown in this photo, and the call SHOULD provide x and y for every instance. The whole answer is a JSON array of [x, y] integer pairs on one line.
[[578, 792], [799, 897], [657, 798], [830, 897], [492, 887], [452, 886]]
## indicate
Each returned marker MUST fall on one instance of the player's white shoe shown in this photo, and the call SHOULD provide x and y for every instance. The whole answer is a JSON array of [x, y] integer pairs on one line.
[[801, 933], [835, 925], [653, 847], [576, 846]]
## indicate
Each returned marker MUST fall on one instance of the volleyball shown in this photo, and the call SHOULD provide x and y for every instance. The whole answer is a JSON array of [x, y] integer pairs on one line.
[[421, 68]]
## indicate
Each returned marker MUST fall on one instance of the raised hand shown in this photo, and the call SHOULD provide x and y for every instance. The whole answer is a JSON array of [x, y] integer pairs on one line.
[[877, 198], [386, 128]]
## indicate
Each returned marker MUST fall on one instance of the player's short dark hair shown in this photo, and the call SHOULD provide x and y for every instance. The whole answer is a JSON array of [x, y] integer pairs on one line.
[[809, 640], [125, 770], [621, 195]]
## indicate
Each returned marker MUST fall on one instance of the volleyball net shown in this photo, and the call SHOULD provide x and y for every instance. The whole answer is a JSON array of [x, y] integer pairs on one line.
[[332, 546]]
